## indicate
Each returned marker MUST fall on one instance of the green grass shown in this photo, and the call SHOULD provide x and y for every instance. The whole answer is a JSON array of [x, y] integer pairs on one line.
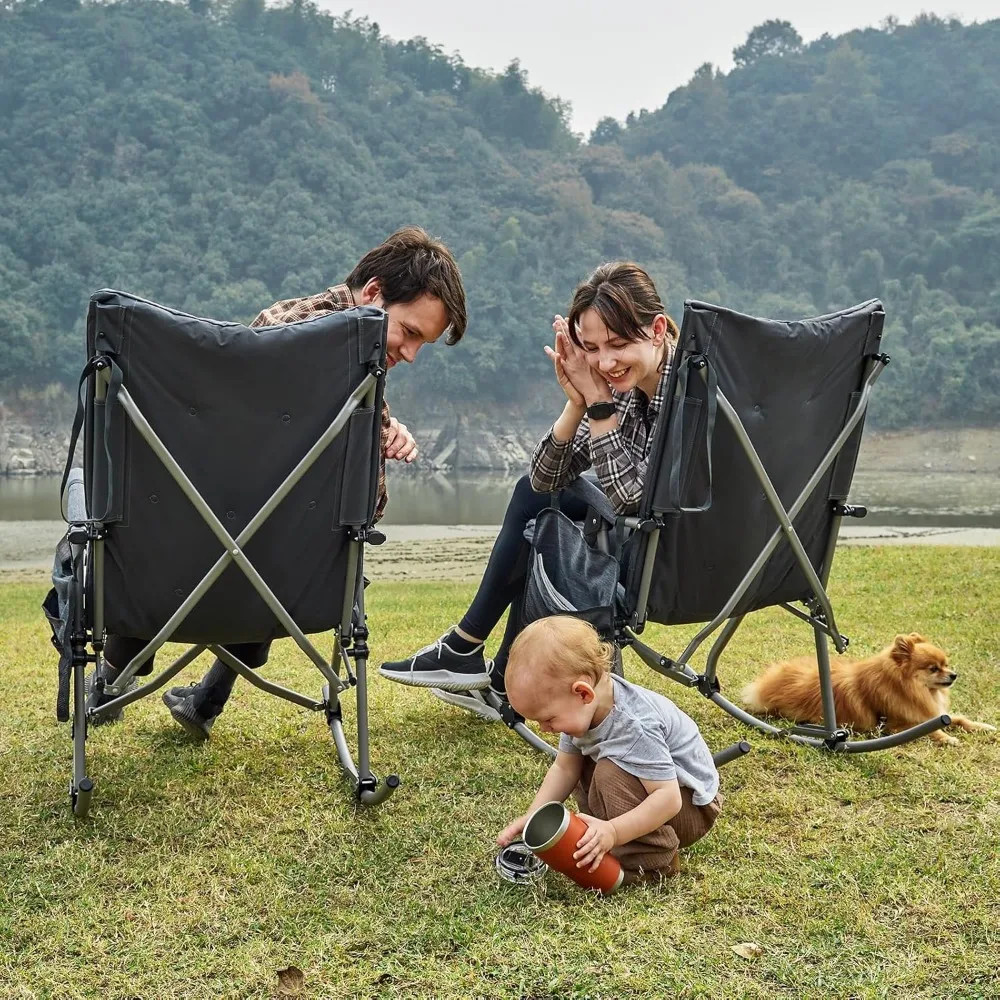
[[203, 870]]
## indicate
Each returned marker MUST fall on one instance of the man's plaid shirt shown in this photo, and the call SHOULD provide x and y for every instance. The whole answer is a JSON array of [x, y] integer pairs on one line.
[[620, 457], [334, 299]]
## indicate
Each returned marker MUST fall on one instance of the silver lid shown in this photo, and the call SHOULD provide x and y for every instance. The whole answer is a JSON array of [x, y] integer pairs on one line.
[[517, 864]]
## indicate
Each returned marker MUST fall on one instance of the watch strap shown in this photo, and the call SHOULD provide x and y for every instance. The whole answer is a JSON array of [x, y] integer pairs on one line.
[[601, 411]]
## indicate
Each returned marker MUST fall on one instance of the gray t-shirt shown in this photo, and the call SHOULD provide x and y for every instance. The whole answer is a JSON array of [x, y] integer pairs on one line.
[[647, 735]]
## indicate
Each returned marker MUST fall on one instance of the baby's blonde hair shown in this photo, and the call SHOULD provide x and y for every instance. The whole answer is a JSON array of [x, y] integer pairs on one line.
[[562, 648]]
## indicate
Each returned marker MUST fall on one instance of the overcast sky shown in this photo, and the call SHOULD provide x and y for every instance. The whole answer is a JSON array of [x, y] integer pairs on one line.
[[612, 58]]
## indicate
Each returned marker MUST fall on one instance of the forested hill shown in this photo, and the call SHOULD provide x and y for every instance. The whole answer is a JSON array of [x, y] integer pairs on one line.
[[216, 158]]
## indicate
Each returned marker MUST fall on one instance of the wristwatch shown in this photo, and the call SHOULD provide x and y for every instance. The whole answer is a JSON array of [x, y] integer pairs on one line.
[[601, 411]]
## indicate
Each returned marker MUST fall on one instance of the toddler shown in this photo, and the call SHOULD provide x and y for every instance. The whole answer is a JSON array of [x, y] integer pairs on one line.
[[644, 779]]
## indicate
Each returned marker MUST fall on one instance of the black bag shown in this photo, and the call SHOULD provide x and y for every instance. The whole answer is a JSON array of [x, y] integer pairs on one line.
[[567, 576]]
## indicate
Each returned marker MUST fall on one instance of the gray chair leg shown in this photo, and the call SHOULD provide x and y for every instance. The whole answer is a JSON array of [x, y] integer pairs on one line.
[[731, 753], [81, 787], [513, 722]]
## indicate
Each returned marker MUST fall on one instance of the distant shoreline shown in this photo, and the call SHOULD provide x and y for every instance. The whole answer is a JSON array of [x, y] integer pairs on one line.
[[37, 446], [455, 553]]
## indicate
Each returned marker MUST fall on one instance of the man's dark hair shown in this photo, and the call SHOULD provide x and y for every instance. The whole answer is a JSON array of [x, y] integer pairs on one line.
[[410, 264]]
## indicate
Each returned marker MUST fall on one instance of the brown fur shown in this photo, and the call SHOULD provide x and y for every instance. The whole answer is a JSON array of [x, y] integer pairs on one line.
[[903, 685]]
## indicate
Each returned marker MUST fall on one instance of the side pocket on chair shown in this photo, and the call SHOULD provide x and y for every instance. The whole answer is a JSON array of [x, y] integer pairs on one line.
[[693, 456], [356, 487], [109, 433], [56, 608], [694, 479]]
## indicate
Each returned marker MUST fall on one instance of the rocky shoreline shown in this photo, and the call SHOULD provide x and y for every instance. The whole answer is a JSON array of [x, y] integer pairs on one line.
[[34, 439], [34, 436], [29, 451]]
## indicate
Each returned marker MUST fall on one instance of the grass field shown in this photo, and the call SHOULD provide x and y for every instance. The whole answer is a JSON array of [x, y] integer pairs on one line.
[[203, 870]]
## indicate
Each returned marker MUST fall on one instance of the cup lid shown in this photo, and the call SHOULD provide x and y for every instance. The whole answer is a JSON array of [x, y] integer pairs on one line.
[[517, 864]]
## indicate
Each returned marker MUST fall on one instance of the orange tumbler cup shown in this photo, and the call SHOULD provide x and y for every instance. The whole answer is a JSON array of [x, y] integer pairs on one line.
[[552, 833]]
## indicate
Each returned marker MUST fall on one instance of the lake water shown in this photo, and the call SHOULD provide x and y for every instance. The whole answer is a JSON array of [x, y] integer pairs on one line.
[[917, 498]]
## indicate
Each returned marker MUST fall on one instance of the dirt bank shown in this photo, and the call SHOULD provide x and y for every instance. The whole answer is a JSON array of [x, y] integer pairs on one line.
[[413, 552], [961, 449], [34, 433]]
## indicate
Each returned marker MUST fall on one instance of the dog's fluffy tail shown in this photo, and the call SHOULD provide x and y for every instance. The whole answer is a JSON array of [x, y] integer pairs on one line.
[[751, 697]]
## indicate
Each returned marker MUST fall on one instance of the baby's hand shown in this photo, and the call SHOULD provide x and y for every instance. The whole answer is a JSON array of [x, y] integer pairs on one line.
[[595, 843], [512, 831]]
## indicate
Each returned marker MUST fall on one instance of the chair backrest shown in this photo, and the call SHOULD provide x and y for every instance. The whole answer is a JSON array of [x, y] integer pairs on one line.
[[793, 386], [237, 408]]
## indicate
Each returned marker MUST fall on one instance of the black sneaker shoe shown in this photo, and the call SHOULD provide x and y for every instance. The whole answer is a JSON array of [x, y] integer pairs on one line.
[[497, 686], [94, 702], [439, 666], [181, 701]]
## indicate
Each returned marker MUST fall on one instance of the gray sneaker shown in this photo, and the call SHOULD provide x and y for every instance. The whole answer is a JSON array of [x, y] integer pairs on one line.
[[94, 702], [471, 701], [181, 701]]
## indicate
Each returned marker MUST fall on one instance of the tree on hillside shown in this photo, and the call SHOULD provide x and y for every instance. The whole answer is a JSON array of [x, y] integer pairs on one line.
[[607, 130], [772, 38], [246, 14]]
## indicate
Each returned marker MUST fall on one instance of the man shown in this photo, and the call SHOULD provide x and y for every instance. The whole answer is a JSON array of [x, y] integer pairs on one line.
[[415, 279]]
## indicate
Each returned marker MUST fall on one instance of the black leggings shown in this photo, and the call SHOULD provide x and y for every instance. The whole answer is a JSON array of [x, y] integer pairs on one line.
[[503, 582]]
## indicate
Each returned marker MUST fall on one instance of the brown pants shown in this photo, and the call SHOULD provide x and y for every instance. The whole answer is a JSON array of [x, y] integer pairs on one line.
[[606, 791]]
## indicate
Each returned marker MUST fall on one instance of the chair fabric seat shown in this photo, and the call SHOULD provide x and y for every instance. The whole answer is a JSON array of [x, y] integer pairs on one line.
[[793, 386], [237, 408]]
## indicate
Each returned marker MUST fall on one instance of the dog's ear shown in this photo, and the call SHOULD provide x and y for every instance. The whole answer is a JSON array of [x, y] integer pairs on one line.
[[916, 637], [902, 648]]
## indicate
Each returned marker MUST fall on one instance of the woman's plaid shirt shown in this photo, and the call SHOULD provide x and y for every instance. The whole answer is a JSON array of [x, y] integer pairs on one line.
[[334, 299], [620, 457]]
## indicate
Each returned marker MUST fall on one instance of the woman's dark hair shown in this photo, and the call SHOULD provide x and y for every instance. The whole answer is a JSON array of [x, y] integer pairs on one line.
[[410, 264], [625, 298]]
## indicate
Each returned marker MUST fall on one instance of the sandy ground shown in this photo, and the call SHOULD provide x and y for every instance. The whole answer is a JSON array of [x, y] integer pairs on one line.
[[434, 552], [412, 552]]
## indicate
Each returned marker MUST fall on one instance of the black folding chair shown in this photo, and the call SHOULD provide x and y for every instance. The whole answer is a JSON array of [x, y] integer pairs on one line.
[[750, 471], [228, 489]]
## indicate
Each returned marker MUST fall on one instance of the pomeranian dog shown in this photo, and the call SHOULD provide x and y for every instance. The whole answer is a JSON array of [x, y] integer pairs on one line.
[[903, 685]]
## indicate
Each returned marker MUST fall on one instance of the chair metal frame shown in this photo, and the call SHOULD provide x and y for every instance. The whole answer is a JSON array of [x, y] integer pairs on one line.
[[829, 735]]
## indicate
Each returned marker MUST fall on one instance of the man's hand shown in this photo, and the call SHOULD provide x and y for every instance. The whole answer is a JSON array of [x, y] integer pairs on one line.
[[512, 831], [400, 444], [595, 843]]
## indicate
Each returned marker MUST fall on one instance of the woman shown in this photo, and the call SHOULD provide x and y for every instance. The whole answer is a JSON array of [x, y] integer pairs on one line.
[[612, 359]]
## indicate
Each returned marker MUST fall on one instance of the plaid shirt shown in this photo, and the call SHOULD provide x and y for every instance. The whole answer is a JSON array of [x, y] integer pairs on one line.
[[334, 299], [620, 456]]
